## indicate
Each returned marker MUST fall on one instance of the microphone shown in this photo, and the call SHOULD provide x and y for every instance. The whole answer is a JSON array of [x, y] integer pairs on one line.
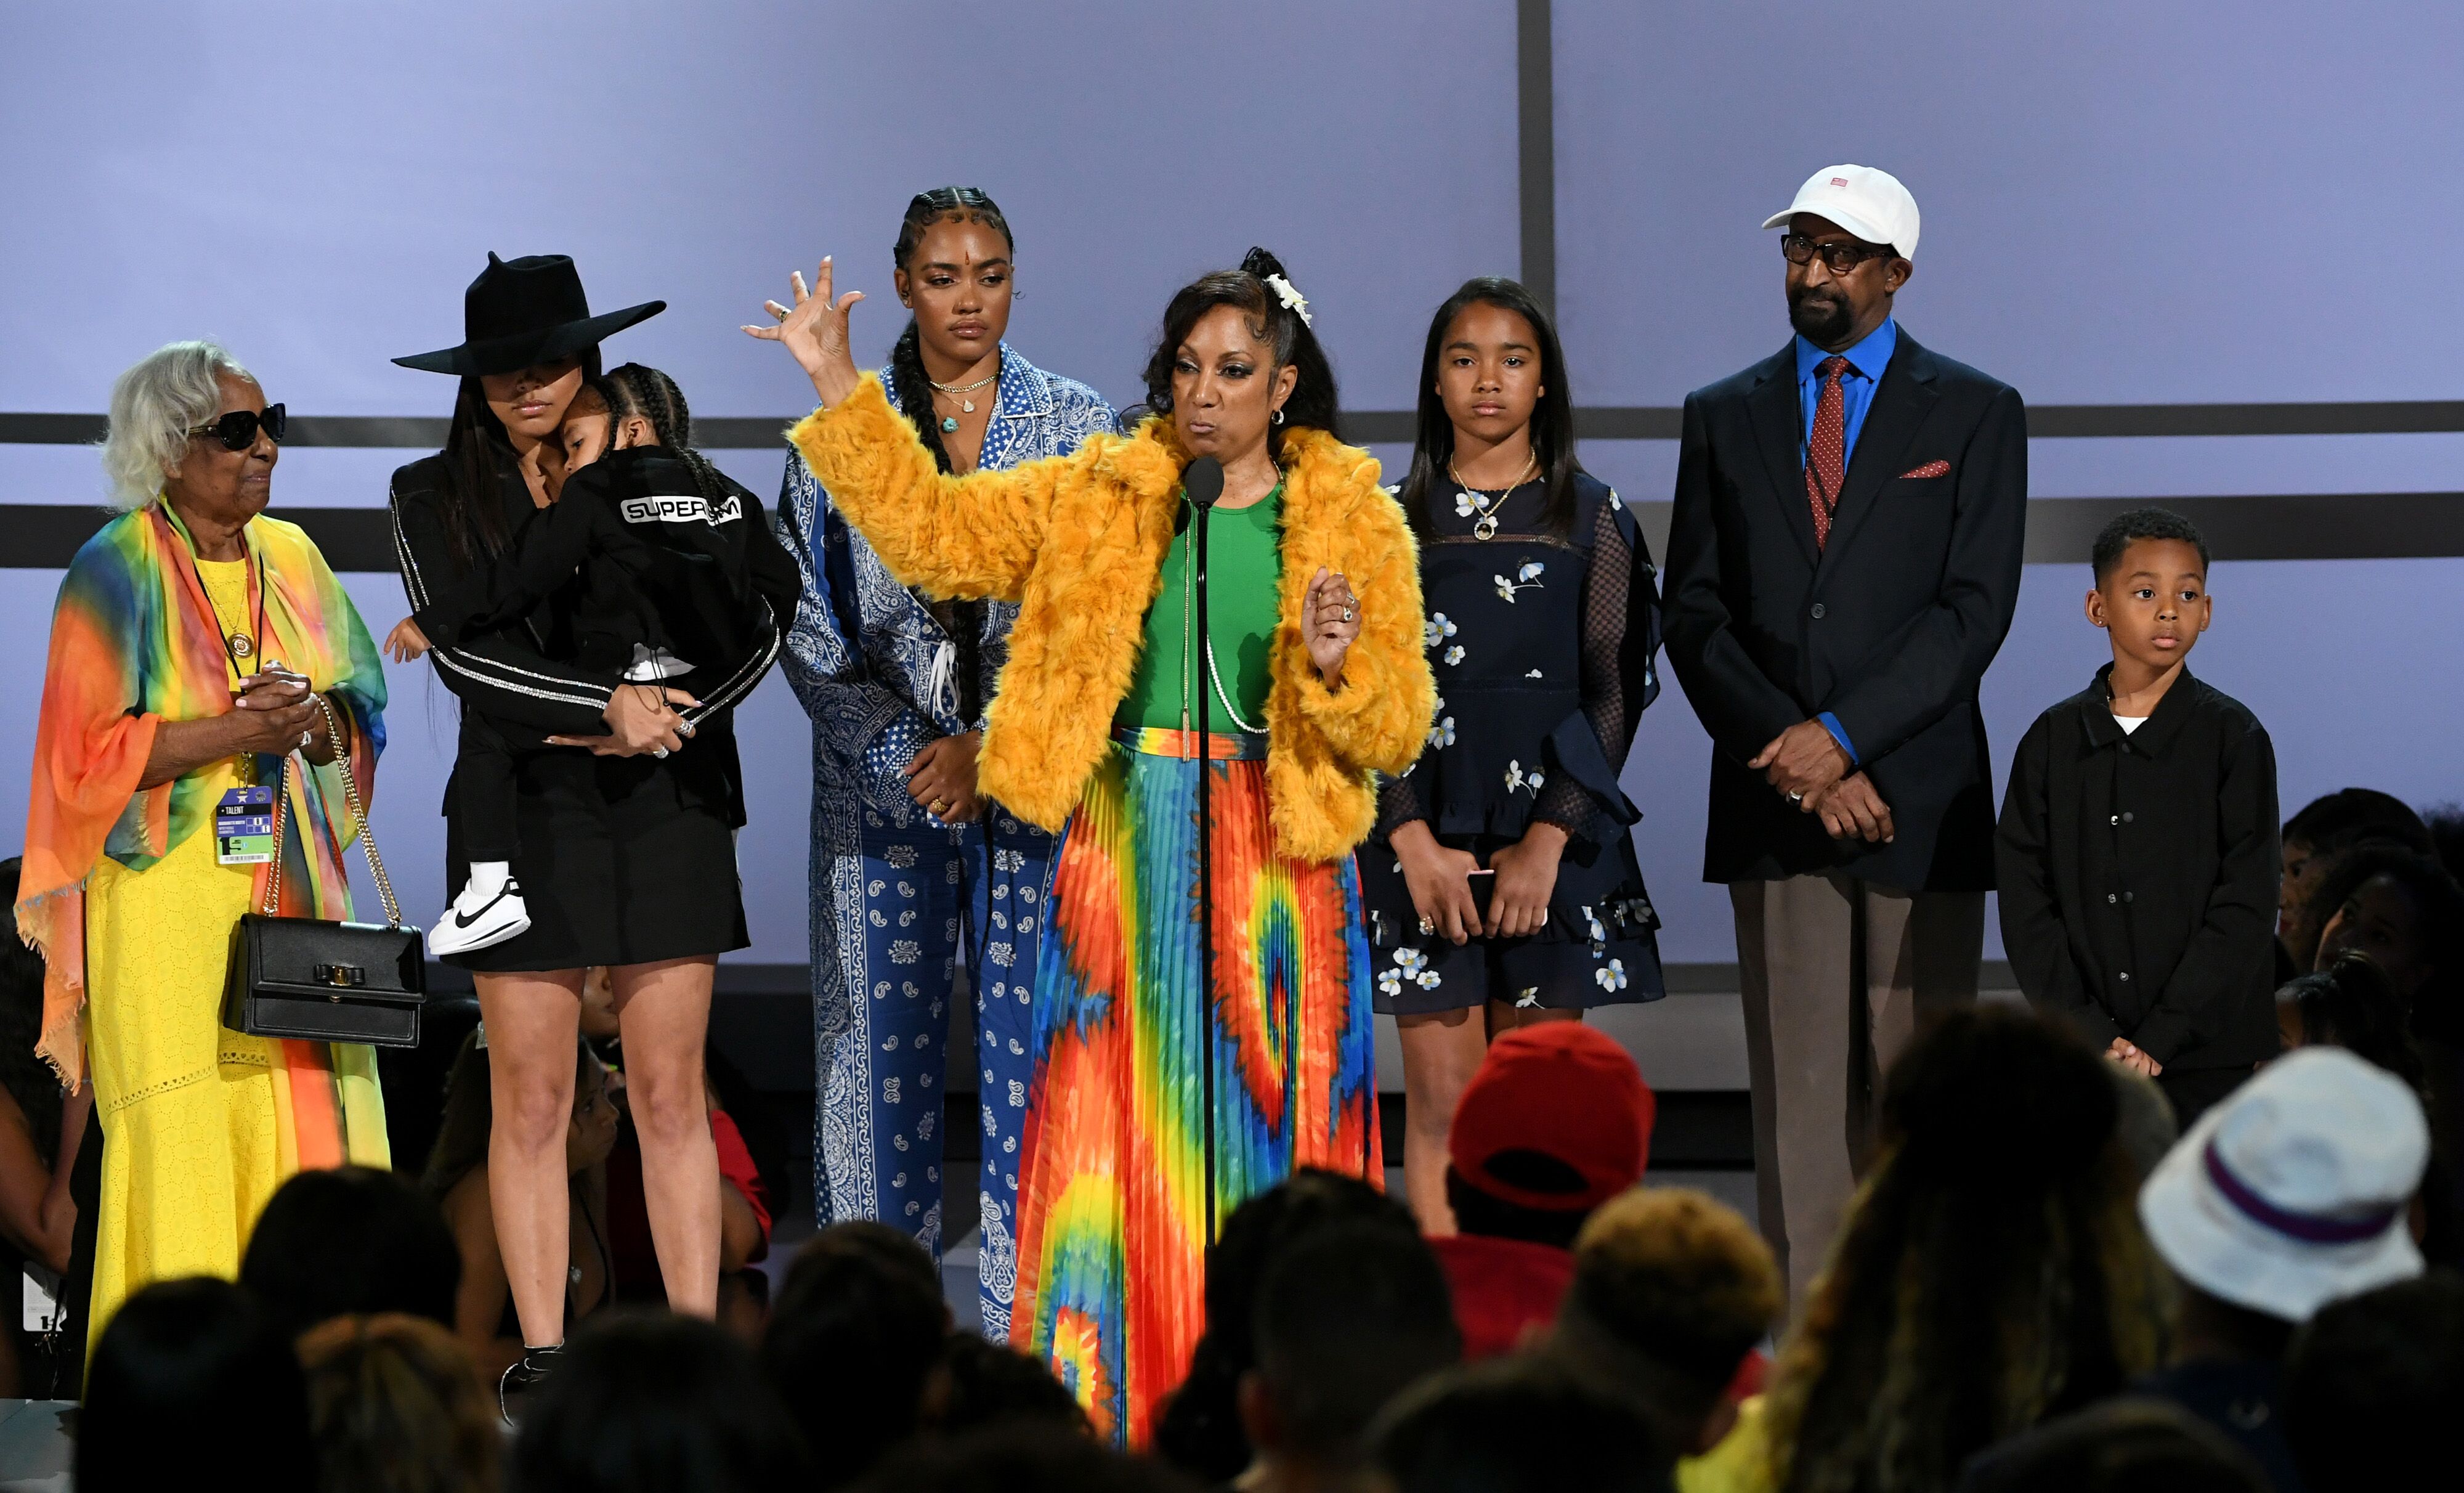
[[1203, 482]]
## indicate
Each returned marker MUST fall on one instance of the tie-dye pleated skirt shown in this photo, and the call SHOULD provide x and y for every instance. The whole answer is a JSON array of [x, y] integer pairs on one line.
[[1113, 1202]]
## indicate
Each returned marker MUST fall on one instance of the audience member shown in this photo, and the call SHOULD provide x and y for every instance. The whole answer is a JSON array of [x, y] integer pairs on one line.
[[1199, 1430], [2293, 1192], [1672, 1290], [1020, 1459], [1988, 1277], [2314, 840], [643, 1403], [38, 1218], [457, 1181], [1348, 1318], [397, 1406], [2145, 1125], [2348, 1002], [2374, 1387], [852, 1341], [975, 1384], [2121, 1447], [351, 1240], [2401, 908], [1517, 1425], [186, 1372], [1556, 1122], [2137, 855]]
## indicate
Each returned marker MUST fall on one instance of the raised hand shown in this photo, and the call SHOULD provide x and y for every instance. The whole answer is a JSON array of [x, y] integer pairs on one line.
[[814, 331], [1330, 619]]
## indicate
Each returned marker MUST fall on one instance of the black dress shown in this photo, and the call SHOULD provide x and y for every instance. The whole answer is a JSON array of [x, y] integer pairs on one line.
[[621, 860], [1542, 647]]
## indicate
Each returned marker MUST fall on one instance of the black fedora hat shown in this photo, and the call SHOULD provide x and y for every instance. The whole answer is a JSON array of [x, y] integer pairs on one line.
[[523, 311]]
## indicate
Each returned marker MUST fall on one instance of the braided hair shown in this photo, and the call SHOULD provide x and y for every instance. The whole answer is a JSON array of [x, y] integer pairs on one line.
[[634, 390], [1313, 401], [906, 376]]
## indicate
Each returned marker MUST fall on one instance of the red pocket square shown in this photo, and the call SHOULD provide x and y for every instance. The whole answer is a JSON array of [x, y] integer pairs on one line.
[[1934, 468]]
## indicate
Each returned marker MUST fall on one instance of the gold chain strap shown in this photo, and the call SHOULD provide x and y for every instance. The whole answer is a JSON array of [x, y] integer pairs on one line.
[[359, 817]]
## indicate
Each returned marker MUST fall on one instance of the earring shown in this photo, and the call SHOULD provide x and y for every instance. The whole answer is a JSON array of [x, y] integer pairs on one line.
[[1276, 418]]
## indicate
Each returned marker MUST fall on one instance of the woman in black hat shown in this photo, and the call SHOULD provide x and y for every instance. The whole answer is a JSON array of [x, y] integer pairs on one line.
[[623, 853]]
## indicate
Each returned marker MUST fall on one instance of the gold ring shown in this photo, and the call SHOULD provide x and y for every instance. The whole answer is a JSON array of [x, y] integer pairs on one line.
[[941, 807]]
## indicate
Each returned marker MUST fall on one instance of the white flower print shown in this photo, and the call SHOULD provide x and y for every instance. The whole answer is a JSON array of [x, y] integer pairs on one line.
[[1442, 734], [1526, 578], [1455, 654], [1516, 778], [1533, 675], [1410, 966], [1528, 999], [1600, 934], [1436, 630], [1610, 977], [1464, 507], [1390, 983]]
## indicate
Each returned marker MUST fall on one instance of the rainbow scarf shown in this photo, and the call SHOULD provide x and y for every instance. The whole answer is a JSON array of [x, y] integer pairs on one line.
[[134, 644]]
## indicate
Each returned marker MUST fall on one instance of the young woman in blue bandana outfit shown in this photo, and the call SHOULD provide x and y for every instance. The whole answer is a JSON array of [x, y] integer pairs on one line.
[[908, 861]]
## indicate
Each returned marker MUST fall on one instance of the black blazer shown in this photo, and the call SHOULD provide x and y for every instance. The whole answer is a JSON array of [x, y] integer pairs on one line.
[[1889, 627]]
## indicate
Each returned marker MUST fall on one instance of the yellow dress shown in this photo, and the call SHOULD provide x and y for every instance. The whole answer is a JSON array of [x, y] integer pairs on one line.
[[1740, 1463], [192, 1143]]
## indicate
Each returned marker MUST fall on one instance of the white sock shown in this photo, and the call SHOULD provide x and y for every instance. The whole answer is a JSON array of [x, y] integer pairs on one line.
[[488, 878]]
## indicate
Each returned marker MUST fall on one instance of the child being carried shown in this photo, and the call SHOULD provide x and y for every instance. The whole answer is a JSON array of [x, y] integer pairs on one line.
[[668, 577]]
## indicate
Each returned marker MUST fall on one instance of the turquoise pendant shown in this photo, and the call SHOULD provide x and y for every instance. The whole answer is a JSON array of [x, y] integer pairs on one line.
[[949, 423]]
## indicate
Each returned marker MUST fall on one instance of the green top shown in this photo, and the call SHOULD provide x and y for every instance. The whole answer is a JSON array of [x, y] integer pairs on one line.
[[1243, 606]]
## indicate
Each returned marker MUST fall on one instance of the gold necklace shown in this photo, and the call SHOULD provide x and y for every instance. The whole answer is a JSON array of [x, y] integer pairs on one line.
[[1469, 503], [959, 392]]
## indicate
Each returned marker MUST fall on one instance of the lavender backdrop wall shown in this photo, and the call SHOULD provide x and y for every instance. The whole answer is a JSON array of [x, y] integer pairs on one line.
[[2124, 203]]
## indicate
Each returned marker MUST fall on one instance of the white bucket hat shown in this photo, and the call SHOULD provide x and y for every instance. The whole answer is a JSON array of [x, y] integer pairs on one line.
[[1869, 203], [2293, 1191]]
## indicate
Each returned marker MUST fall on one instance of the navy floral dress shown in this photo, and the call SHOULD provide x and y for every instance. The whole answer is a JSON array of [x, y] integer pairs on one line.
[[1543, 649], [882, 672]]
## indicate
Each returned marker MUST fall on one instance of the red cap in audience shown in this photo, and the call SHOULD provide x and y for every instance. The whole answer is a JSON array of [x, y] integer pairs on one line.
[[1567, 1092]]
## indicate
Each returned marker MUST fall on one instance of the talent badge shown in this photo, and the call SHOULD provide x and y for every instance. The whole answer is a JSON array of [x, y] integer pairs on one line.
[[244, 827]]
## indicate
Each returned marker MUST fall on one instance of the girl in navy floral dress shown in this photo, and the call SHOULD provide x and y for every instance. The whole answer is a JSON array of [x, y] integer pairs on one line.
[[1502, 886], [907, 859]]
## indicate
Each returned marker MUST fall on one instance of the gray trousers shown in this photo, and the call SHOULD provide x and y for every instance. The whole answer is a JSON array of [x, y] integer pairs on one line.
[[1838, 975]]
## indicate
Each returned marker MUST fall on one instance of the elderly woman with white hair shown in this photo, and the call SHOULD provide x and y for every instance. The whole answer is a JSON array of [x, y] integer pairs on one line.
[[197, 648]]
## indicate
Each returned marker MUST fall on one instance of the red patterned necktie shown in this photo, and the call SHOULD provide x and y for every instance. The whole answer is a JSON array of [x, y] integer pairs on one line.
[[1826, 453]]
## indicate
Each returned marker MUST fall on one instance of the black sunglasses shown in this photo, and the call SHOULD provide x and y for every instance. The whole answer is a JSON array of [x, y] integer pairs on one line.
[[1839, 257], [238, 430]]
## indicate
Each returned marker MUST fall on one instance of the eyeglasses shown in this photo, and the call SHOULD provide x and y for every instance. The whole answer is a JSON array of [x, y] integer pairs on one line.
[[1839, 257], [238, 430]]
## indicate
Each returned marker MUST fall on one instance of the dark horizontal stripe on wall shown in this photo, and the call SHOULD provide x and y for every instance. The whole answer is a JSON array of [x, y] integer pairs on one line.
[[1395, 426], [2299, 526]]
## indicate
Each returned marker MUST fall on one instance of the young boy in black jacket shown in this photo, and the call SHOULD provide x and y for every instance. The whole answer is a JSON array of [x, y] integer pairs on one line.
[[2136, 858]]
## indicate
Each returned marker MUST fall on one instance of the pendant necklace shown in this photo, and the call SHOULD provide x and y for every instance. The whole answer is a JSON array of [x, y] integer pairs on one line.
[[1468, 502], [959, 392]]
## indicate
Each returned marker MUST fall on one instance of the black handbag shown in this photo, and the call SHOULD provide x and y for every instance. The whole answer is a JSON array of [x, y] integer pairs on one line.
[[310, 979]]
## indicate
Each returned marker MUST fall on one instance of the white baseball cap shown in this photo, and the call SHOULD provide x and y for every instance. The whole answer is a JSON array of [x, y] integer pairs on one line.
[[1865, 201], [2294, 1191]]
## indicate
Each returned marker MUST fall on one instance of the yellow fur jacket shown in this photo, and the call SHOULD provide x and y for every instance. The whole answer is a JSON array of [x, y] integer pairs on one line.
[[1079, 542]]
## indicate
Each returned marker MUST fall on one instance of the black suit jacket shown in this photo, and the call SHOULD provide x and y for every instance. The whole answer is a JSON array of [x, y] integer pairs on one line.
[[1889, 627]]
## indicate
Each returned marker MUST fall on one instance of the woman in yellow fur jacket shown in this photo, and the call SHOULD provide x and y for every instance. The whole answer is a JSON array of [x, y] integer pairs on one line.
[[1316, 664]]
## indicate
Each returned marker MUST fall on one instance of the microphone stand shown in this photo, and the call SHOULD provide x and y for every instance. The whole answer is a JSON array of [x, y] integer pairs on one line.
[[1199, 524]]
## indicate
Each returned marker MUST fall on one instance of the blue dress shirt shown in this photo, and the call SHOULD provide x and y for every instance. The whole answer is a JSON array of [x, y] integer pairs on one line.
[[1867, 358]]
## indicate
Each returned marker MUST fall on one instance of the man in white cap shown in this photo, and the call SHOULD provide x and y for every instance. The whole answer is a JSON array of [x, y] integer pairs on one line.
[[2293, 1192], [1842, 566]]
